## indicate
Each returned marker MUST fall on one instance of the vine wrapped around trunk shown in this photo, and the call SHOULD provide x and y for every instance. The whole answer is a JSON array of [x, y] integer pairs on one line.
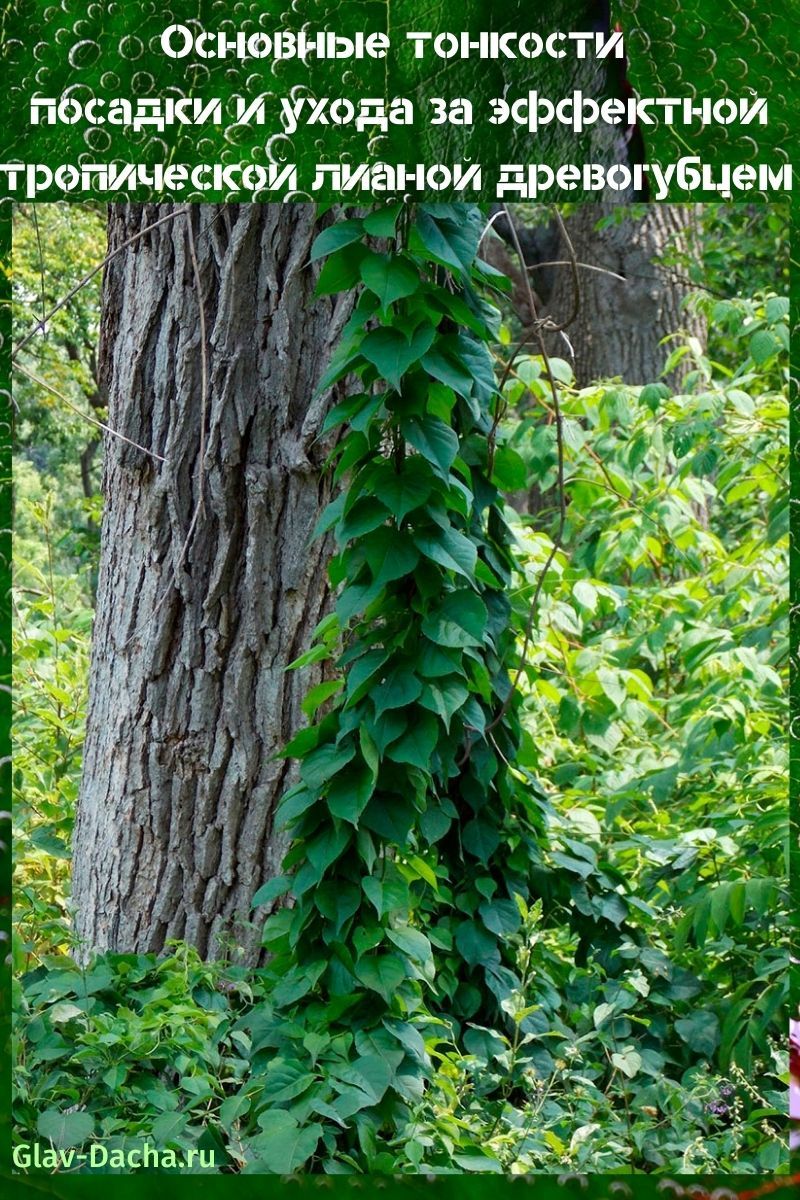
[[415, 832]]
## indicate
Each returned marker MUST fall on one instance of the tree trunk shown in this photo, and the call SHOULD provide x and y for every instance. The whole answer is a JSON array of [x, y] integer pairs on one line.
[[620, 323], [209, 584]]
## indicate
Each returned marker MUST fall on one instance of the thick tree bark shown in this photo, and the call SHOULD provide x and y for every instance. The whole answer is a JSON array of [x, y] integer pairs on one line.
[[209, 582], [621, 323]]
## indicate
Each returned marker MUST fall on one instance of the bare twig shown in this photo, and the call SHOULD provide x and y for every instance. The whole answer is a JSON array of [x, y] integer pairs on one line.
[[41, 268], [92, 420], [565, 262]]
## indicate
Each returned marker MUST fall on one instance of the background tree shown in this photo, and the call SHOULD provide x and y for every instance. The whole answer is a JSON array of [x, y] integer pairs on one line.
[[212, 347], [630, 297]]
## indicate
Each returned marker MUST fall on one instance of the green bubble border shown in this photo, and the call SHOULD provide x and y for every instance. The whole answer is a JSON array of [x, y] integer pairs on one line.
[[666, 53]]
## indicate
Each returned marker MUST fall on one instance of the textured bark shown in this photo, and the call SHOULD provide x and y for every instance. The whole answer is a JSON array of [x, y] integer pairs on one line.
[[199, 609], [620, 324]]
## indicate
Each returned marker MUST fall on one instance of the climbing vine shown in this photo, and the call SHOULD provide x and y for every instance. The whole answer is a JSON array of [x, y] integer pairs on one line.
[[416, 826]]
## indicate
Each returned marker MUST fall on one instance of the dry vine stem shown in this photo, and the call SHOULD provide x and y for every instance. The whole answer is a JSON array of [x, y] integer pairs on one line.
[[538, 328]]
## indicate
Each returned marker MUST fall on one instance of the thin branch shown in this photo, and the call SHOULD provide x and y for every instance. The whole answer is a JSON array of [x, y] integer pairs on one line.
[[573, 261], [92, 420], [565, 262], [41, 268]]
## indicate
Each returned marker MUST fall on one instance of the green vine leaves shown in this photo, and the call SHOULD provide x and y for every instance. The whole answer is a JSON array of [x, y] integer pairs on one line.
[[414, 842]]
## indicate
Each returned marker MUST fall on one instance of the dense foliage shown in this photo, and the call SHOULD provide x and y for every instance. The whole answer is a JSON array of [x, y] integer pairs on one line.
[[535, 932]]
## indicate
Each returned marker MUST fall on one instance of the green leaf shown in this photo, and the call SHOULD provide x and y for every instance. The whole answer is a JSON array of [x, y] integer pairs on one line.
[[349, 793], [453, 244], [613, 685], [585, 594], [168, 1127], [391, 817], [45, 839], [315, 654], [366, 514], [326, 848], [652, 394], [400, 687], [350, 1101], [628, 1061], [393, 353], [338, 902], [341, 271], [412, 942], [291, 987], [500, 916], [323, 763], [476, 1161], [449, 372], [776, 308], [404, 490], [720, 907], [361, 675], [292, 805], [450, 549], [417, 744], [509, 470], [601, 1014], [445, 698], [369, 750], [389, 277], [386, 895], [382, 222], [760, 893], [115, 1076], [480, 839], [763, 345], [271, 890], [317, 696], [388, 728], [700, 1031], [345, 410], [435, 441], [301, 743], [423, 870], [65, 1129], [234, 1108], [476, 946], [391, 555], [382, 974], [284, 1146], [737, 901], [459, 621], [338, 235], [372, 1073], [352, 451]]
